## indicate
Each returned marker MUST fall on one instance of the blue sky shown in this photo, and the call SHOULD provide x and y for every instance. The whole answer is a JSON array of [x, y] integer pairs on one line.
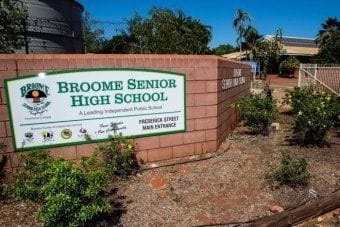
[[299, 18]]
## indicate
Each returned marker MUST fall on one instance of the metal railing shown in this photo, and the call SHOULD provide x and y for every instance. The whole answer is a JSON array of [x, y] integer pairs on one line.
[[320, 76], [45, 36]]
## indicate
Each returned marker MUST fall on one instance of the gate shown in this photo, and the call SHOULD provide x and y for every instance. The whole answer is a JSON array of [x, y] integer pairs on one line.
[[324, 77]]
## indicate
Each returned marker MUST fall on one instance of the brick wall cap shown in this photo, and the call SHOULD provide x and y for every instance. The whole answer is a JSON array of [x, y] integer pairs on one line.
[[67, 56]]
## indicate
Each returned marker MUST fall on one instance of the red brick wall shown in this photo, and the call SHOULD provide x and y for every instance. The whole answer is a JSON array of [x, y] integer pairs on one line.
[[228, 116], [210, 117]]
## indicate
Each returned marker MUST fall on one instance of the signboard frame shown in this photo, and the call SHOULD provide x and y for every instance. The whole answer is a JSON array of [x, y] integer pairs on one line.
[[51, 73], [257, 65]]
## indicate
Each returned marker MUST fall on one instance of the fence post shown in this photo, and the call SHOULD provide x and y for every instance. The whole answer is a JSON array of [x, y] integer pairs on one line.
[[24, 23], [299, 81], [315, 72]]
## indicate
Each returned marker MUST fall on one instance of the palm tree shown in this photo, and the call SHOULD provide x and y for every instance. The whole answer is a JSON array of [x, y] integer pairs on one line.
[[239, 24], [252, 38], [329, 28]]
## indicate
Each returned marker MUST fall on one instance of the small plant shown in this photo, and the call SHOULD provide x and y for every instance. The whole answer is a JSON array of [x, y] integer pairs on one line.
[[69, 196], [289, 66], [257, 112], [263, 75], [337, 115], [119, 155], [293, 172], [315, 113]]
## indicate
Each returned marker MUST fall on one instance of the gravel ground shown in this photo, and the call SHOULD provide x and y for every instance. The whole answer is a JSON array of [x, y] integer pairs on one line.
[[234, 185]]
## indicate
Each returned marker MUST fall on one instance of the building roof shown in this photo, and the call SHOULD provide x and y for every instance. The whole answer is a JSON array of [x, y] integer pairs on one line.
[[295, 41], [234, 55], [295, 46], [300, 51]]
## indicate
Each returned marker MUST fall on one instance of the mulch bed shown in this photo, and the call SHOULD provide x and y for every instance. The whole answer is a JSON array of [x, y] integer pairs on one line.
[[234, 185]]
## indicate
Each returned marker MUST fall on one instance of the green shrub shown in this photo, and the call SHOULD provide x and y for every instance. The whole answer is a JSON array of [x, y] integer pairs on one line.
[[292, 172], [289, 66], [119, 155], [69, 196], [315, 113], [263, 75], [257, 112], [337, 115]]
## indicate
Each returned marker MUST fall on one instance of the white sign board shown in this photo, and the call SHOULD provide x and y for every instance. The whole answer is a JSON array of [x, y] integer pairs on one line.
[[67, 108]]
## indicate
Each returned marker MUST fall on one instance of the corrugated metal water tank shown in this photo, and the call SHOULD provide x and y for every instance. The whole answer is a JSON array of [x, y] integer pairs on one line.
[[54, 26]]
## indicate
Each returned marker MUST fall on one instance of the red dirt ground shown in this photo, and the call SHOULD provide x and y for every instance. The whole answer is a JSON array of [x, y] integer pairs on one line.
[[236, 185], [277, 81]]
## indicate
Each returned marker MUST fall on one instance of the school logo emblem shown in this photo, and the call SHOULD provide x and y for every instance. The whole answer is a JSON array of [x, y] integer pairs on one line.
[[66, 134], [47, 136], [82, 132], [29, 137], [36, 97]]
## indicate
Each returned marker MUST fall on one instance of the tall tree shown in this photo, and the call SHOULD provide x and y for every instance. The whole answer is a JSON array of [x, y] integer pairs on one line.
[[242, 18], [329, 52], [13, 14], [92, 34], [118, 44], [329, 29], [328, 39], [268, 51], [224, 49], [252, 38], [165, 31]]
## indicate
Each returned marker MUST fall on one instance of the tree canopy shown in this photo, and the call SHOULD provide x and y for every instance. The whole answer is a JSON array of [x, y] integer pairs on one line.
[[251, 37], [330, 28], [240, 25], [92, 35], [163, 32], [330, 51], [224, 49], [268, 51], [13, 14], [328, 39]]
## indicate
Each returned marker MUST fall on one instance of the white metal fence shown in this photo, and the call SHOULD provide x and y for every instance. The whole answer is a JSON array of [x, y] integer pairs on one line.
[[326, 77]]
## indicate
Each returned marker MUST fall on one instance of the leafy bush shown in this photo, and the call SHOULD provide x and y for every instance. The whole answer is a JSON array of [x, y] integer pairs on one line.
[[257, 112], [12, 14], [119, 155], [268, 52], [337, 115], [289, 66], [315, 113], [69, 196], [292, 172], [263, 75]]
